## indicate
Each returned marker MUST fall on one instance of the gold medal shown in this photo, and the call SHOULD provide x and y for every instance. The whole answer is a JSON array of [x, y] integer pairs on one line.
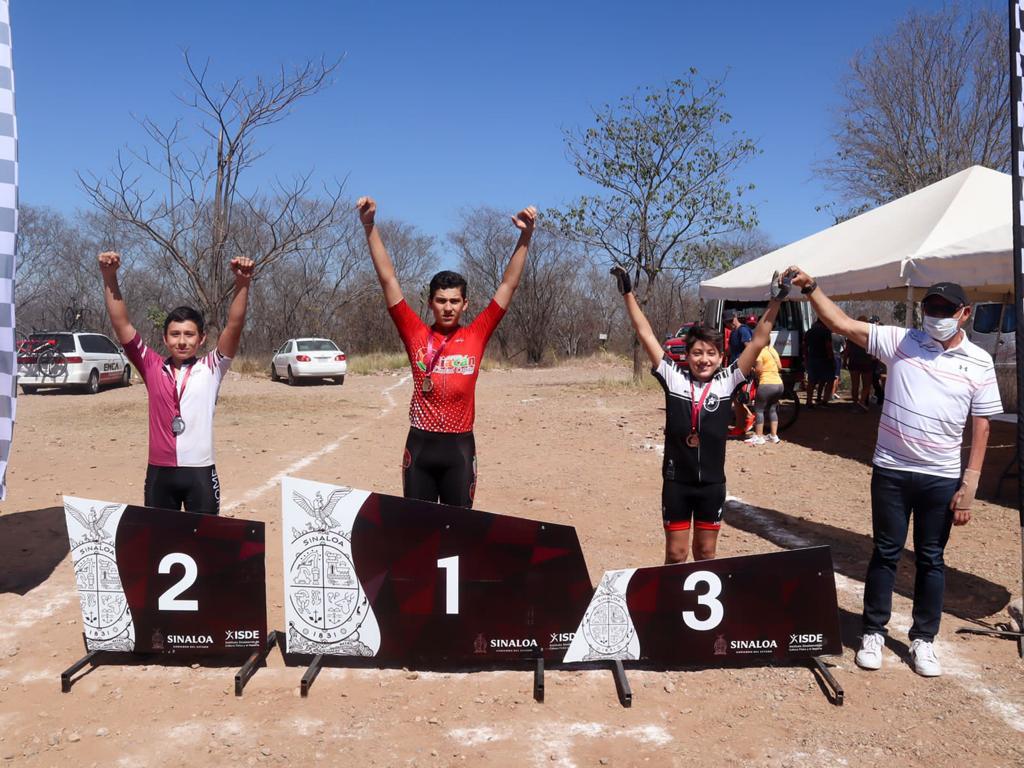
[[427, 386]]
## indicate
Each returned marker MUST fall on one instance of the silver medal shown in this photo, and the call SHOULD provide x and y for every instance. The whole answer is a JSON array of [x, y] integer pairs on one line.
[[177, 425]]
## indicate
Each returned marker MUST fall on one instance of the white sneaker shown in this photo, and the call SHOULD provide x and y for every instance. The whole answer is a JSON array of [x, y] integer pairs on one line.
[[925, 662], [774, 439], [870, 654], [755, 440]]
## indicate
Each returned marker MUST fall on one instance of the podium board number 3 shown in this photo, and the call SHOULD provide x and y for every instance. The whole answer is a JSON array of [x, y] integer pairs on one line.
[[451, 590], [709, 599], [169, 600]]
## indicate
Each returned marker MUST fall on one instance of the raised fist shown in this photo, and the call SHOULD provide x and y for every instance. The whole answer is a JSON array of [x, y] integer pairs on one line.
[[110, 261], [367, 208], [242, 267], [622, 278], [780, 285], [526, 219], [798, 277]]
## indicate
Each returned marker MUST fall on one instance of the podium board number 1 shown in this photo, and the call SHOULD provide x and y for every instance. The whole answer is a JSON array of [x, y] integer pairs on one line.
[[451, 591], [169, 600], [709, 599]]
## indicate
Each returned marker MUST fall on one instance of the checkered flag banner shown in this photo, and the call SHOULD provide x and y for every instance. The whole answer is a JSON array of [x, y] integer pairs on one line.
[[8, 236]]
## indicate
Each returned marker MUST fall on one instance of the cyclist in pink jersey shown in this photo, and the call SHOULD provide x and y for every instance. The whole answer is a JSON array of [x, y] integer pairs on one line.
[[439, 463], [182, 390]]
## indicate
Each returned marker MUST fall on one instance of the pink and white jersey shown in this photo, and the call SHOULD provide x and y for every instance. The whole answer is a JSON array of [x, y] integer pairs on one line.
[[201, 380]]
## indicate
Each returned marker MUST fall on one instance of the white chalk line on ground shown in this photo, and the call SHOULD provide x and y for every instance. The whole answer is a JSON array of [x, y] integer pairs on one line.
[[305, 461], [48, 598], [966, 674], [551, 743]]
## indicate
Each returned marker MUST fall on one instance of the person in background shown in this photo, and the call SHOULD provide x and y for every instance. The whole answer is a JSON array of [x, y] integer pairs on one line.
[[818, 361], [767, 371], [739, 335], [838, 350], [862, 367]]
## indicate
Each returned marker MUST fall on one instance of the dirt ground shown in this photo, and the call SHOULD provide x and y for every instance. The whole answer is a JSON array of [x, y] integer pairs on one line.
[[571, 445]]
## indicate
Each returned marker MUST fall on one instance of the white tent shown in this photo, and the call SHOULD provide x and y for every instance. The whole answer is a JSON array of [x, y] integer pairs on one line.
[[958, 229]]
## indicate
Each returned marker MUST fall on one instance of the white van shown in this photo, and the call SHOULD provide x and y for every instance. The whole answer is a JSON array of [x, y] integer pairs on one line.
[[795, 317], [993, 327]]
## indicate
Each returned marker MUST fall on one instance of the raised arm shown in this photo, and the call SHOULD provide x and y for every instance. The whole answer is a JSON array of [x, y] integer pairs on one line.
[[643, 329], [110, 262], [227, 344], [367, 208], [762, 337], [837, 321], [524, 221]]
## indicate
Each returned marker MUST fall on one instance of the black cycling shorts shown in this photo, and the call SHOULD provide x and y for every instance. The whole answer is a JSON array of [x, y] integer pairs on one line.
[[195, 488], [700, 502], [440, 466]]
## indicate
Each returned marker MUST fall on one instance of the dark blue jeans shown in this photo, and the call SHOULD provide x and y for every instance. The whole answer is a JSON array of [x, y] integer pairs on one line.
[[895, 496]]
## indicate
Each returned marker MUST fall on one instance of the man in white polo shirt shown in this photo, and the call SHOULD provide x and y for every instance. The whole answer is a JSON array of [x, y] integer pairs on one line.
[[937, 378]]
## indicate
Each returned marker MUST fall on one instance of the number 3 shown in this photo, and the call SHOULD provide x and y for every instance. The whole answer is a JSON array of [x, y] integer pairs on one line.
[[168, 600], [709, 598]]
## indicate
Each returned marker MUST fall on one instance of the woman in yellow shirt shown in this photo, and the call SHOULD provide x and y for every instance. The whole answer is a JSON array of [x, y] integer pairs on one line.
[[769, 390]]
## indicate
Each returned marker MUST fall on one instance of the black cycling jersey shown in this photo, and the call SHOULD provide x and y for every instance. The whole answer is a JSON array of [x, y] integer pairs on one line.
[[440, 466], [704, 463], [197, 488]]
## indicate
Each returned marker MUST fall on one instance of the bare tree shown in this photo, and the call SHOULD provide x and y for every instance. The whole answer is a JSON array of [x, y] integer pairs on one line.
[[921, 104], [664, 166], [485, 241], [198, 217]]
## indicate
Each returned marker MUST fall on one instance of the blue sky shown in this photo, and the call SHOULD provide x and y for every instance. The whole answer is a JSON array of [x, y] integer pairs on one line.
[[441, 105]]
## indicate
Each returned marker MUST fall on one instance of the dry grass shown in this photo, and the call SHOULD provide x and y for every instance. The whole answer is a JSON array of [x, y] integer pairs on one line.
[[376, 362]]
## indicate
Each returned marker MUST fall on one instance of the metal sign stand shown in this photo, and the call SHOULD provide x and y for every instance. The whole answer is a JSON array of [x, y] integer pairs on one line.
[[93, 659], [256, 660], [829, 685]]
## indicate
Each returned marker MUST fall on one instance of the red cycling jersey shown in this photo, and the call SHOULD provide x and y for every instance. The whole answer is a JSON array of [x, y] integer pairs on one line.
[[449, 405]]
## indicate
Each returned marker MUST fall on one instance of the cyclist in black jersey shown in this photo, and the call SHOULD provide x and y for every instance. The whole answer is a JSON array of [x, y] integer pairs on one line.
[[697, 418]]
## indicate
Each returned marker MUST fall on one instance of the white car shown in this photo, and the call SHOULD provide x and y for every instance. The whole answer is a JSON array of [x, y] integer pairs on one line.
[[64, 359], [309, 359]]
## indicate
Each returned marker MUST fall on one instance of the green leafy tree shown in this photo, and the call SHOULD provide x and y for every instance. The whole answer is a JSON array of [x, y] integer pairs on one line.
[[664, 161]]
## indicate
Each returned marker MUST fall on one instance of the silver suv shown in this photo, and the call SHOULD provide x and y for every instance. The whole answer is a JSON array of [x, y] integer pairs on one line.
[[84, 361]]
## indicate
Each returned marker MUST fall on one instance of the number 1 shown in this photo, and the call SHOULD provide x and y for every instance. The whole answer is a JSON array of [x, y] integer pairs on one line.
[[451, 591]]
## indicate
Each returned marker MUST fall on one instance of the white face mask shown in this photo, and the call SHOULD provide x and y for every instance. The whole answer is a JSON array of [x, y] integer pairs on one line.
[[942, 328]]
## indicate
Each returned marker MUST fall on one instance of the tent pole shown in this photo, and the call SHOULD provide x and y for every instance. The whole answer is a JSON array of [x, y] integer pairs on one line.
[[910, 305]]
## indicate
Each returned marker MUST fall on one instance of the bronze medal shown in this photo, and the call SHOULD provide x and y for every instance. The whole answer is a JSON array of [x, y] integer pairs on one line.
[[427, 386], [693, 440]]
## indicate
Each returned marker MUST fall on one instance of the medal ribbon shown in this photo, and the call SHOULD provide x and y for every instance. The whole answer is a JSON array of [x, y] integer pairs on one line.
[[174, 387], [433, 360], [695, 406]]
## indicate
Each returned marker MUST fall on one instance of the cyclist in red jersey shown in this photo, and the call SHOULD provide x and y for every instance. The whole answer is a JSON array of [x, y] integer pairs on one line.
[[439, 463]]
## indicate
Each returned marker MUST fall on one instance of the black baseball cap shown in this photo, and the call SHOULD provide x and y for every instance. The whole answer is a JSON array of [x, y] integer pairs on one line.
[[951, 292]]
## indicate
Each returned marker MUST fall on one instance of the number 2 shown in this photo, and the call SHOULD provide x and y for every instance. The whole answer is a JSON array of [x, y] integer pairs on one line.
[[709, 599], [169, 600], [451, 590]]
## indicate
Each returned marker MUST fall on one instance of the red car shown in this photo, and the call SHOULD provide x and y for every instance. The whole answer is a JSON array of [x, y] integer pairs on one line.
[[675, 346]]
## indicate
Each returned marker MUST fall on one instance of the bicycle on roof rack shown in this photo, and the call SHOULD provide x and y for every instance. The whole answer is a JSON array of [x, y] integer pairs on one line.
[[44, 354]]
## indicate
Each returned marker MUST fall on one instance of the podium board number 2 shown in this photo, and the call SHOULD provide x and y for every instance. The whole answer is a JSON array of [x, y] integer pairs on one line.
[[709, 599], [169, 600], [451, 590]]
